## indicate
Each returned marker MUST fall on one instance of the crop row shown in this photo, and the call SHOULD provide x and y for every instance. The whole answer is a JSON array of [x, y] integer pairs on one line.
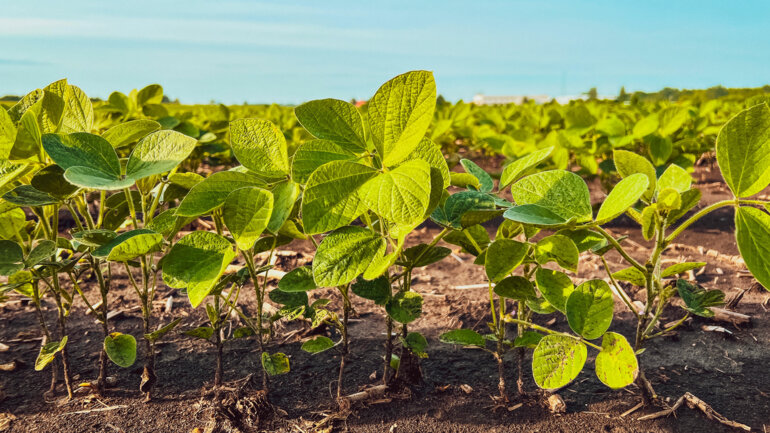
[[356, 188]]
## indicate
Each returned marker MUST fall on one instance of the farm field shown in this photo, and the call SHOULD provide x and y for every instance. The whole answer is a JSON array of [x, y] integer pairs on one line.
[[403, 264]]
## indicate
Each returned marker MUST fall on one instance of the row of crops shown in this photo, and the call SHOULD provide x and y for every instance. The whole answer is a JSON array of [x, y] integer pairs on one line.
[[90, 190]]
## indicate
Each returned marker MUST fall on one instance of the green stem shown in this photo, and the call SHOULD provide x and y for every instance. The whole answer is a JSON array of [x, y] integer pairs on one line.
[[552, 332], [131, 207], [623, 296], [701, 213], [619, 248]]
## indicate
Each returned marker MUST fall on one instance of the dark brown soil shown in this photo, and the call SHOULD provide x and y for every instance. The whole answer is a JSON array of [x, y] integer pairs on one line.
[[728, 373]]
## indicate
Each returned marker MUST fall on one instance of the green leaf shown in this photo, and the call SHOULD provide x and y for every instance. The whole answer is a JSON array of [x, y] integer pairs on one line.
[[584, 239], [752, 231], [624, 195], [689, 198], [94, 238], [7, 134], [297, 280], [743, 151], [681, 268], [400, 113], [463, 337], [158, 334], [646, 126], [78, 111], [51, 180], [417, 343], [698, 300], [555, 286], [130, 245], [557, 360], [344, 254], [516, 287], [331, 199], [81, 149], [502, 257], [158, 153], [246, 213], [464, 180], [404, 307], [196, 262], [669, 199], [48, 352], [528, 339], [151, 94], [121, 349], [317, 345], [28, 196], [486, 184], [400, 195], [11, 257], [629, 163], [275, 364], [260, 146], [459, 208], [675, 177], [202, 332], [473, 240], [590, 309], [315, 153], [514, 170], [289, 299], [433, 255], [534, 215], [11, 222], [284, 198], [334, 120], [559, 249], [42, 251], [659, 148], [616, 364], [562, 192], [87, 177], [377, 290], [431, 153], [126, 133], [213, 191], [632, 275]]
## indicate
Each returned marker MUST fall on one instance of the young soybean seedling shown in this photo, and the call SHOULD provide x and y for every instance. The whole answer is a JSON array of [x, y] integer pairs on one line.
[[669, 198], [90, 161], [391, 181]]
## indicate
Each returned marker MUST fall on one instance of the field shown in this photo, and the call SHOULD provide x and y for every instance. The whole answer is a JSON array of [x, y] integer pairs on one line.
[[404, 264]]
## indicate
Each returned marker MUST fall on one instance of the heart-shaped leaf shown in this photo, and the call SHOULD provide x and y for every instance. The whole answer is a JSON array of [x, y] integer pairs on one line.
[[344, 254], [616, 364], [246, 213], [557, 360], [121, 349], [334, 120], [743, 151], [590, 309]]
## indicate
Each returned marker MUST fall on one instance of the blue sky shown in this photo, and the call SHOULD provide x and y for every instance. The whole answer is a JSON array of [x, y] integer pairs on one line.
[[290, 51]]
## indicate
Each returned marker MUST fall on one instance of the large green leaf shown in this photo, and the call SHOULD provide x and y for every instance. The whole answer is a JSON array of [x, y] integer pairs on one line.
[[628, 163], [562, 192], [196, 262], [430, 152], [344, 254], [7, 134], [557, 360], [126, 133], [555, 286], [514, 170], [698, 300], [297, 280], [502, 257], [246, 213], [743, 151], [275, 364], [78, 111], [463, 337], [130, 245], [121, 349], [213, 191], [48, 351], [28, 196], [315, 153], [42, 251], [616, 364], [11, 257], [400, 195], [623, 196], [334, 120], [377, 290], [399, 114], [516, 287], [675, 177], [87, 160], [752, 231], [590, 309], [404, 307], [158, 153], [331, 197], [559, 249], [260, 146]]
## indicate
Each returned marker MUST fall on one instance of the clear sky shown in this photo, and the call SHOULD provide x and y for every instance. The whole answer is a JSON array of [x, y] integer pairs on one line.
[[290, 51]]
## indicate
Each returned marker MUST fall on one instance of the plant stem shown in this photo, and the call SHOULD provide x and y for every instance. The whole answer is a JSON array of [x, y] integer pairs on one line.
[[345, 340], [619, 248]]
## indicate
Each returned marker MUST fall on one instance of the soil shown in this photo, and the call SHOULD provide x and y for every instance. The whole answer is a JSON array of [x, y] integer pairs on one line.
[[729, 373]]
